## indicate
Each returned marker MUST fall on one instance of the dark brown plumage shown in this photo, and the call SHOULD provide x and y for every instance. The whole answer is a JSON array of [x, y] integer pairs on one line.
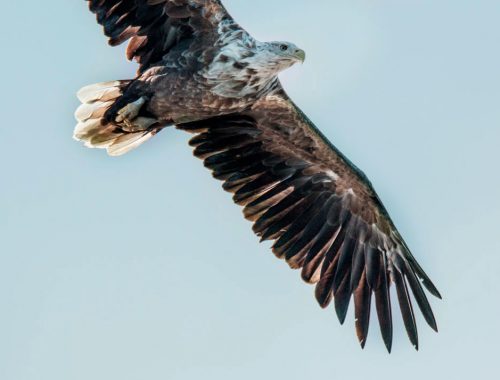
[[337, 232], [201, 72], [156, 27]]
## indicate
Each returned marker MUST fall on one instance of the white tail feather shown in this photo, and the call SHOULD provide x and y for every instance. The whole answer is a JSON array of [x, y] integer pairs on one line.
[[100, 91], [93, 110], [96, 100], [126, 143]]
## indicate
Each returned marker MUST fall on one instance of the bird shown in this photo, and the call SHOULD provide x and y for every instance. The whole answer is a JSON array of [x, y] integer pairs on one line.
[[199, 71]]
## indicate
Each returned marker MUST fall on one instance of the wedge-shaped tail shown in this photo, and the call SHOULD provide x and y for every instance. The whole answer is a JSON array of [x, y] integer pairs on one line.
[[94, 131]]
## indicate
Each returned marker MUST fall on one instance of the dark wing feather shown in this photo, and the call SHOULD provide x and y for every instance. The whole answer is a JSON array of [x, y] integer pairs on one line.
[[156, 27], [319, 209]]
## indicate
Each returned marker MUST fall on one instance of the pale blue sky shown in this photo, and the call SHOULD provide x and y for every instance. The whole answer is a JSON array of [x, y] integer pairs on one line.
[[142, 268]]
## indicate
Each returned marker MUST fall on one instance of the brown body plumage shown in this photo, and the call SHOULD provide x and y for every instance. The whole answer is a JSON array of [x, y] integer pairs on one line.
[[201, 72]]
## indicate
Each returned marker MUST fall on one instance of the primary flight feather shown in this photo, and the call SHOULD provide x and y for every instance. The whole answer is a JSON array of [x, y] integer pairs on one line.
[[201, 72]]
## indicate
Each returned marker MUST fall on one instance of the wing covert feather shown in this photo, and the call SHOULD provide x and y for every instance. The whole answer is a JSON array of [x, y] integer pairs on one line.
[[156, 27]]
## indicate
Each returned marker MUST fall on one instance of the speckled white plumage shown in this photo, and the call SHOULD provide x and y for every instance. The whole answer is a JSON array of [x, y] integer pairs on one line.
[[243, 59]]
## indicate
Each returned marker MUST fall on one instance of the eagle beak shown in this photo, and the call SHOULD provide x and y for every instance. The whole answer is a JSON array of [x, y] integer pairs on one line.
[[300, 55]]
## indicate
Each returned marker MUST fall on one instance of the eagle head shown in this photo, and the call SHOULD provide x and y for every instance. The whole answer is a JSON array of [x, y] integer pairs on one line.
[[246, 66], [277, 56]]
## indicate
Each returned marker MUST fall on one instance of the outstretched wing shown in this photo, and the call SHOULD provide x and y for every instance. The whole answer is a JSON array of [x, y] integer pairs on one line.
[[155, 27], [320, 210]]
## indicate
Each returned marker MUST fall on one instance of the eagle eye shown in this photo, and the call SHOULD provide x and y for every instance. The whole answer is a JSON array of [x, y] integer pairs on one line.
[[283, 47]]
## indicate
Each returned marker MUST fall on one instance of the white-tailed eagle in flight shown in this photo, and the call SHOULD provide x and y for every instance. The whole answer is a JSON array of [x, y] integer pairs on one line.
[[201, 72]]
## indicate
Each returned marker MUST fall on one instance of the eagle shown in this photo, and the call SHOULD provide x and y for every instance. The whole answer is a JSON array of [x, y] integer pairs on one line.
[[200, 72]]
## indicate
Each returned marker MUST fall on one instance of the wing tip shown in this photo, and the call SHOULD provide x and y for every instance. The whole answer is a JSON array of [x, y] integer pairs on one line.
[[388, 342], [434, 291], [341, 315], [362, 343], [434, 326], [429, 285]]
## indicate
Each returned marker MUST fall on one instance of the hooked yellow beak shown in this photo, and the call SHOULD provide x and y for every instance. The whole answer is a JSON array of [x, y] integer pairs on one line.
[[300, 55]]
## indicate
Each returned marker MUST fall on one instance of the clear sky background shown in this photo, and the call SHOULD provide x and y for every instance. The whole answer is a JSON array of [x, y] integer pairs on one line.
[[142, 268]]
